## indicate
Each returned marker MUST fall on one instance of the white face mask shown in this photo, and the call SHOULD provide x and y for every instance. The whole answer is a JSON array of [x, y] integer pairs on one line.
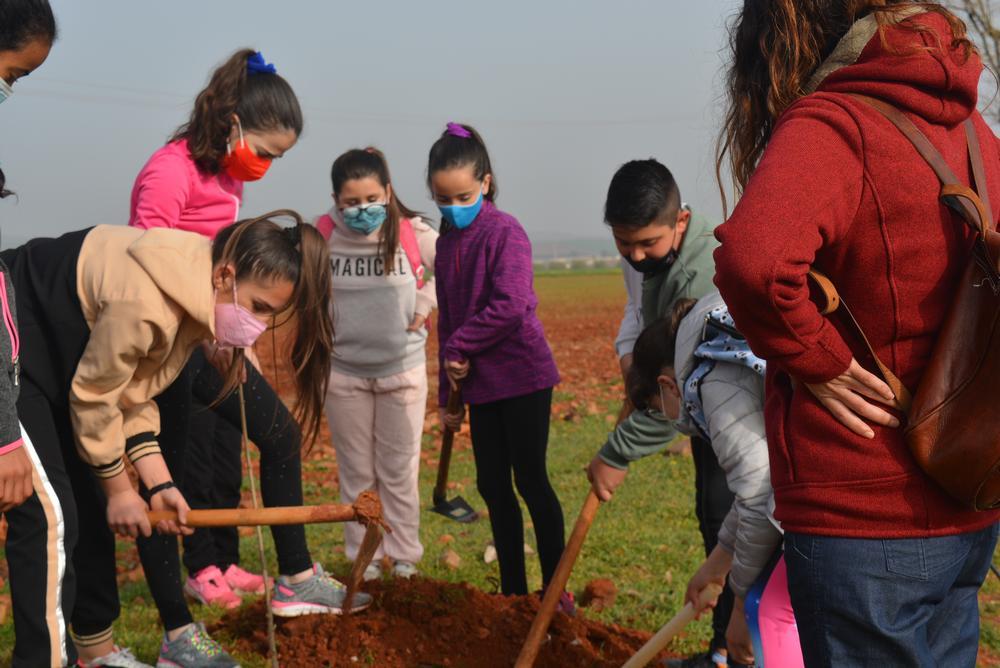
[[5, 90]]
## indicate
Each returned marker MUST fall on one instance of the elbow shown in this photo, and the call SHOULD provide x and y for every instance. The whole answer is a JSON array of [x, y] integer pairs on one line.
[[742, 273]]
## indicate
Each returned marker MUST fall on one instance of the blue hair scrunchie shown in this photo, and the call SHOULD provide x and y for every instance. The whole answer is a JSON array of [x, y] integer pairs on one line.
[[257, 65]]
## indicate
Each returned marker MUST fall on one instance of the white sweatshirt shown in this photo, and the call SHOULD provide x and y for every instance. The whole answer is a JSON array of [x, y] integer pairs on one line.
[[373, 307]]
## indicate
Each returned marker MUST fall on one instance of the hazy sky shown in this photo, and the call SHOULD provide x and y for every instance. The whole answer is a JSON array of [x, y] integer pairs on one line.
[[563, 92]]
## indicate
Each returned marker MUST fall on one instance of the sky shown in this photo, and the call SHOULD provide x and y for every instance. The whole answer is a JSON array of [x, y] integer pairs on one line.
[[563, 92]]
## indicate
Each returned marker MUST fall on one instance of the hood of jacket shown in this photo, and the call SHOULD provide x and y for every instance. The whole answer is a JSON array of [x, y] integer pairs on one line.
[[180, 264], [912, 64]]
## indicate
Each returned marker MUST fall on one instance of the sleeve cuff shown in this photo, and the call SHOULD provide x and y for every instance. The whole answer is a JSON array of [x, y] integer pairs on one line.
[[611, 458], [11, 447], [105, 471], [141, 445]]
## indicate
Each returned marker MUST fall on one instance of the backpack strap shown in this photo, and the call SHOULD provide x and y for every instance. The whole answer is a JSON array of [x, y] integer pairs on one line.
[[973, 208], [408, 242], [324, 225]]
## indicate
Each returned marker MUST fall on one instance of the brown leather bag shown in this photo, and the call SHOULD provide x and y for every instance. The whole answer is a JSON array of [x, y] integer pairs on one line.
[[953, 421]]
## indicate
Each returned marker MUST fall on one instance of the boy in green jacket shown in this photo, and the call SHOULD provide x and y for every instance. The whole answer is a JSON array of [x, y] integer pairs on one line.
[[672, 249]]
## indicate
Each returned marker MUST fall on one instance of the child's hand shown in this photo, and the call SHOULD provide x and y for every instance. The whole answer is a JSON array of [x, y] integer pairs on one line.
[[604, 478], [457, 371], [127, 514], [712, 571], [15, 479], [452, 421], [172, 499], [418, 321], [738, 640]]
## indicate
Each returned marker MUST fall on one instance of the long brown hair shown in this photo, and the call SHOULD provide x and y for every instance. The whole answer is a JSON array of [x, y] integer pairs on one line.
[[776, 45], [370, 162], [261, 249], [263, 101]]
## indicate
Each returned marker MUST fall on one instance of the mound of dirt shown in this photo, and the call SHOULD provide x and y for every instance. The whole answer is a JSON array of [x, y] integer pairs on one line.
[[425, 623]]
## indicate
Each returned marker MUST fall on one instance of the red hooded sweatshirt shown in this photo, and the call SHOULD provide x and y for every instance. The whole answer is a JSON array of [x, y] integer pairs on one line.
[[841, 189]]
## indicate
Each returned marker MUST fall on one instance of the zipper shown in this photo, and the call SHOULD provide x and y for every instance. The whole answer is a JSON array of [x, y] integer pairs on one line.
[[15, 341]]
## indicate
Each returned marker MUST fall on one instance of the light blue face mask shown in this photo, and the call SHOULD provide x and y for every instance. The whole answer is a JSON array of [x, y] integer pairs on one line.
[[5, 90], [365, 219], [461, 216]]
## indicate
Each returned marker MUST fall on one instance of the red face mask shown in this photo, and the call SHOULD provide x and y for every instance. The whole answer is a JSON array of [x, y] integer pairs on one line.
[[242, 163]]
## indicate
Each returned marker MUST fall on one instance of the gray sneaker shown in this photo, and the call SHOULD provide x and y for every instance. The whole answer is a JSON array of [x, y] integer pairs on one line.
[[320, 594], [121, 657], [194, 649]]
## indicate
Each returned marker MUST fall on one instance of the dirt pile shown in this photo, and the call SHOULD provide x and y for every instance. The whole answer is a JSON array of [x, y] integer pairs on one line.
[[424, 623]]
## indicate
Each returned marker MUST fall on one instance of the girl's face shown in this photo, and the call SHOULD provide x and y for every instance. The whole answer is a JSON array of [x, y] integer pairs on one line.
[[668, 399], [22, 62], [358, 192], [458, 186], [263, 298], [267, 144]]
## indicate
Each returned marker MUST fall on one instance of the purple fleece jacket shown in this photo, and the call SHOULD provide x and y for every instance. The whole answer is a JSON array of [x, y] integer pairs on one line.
[[486, 310]]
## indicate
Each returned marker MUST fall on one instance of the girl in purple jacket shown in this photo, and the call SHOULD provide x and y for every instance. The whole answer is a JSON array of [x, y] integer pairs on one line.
[[491, 341]]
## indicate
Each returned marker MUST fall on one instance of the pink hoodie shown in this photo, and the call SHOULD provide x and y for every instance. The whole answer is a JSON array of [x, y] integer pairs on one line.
[[170, 191]]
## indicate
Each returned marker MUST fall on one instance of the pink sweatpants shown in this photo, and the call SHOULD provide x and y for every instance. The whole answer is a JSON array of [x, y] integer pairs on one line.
[[779, 635], [376, 425]]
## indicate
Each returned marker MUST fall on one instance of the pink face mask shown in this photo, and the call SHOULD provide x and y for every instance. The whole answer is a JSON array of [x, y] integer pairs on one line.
[[235, 326]]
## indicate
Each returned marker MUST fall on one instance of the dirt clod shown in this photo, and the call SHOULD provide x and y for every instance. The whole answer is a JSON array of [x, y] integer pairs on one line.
[[421, 622], [451, 559], [599, 594]]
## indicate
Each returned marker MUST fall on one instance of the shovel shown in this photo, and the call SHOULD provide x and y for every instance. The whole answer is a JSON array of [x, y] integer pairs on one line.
[[676, 624], [458, 508]]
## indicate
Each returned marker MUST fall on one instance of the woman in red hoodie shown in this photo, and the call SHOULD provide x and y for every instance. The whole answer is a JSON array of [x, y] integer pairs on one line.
[[884, 567]]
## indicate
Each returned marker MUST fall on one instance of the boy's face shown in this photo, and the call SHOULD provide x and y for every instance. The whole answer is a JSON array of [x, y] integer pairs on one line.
[[653, 241]]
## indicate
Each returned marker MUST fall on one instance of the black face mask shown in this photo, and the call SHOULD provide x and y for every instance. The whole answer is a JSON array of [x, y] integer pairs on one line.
[[651, 266]]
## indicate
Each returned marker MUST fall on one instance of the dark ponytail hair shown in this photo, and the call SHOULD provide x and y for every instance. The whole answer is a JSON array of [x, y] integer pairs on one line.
[[451, 151], [654, 351], [370, 162], [263, 102], [22, 22], [261, 249]]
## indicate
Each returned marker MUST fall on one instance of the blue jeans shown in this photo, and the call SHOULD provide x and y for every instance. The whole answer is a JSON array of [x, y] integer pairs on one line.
[[908, 602]]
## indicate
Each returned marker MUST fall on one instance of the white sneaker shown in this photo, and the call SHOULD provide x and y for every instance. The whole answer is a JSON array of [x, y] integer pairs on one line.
[[404, 569], [373, 572]]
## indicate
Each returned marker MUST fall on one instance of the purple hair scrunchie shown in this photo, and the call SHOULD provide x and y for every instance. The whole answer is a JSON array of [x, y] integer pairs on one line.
[[456, 130], [257, 65]]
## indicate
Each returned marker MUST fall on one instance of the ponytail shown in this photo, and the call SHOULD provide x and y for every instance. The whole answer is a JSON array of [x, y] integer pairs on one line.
[[371, 162], [260, 249], [262, 100]]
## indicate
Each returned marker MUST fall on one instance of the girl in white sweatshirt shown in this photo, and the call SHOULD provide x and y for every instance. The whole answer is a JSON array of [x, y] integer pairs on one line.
[[377, 396]]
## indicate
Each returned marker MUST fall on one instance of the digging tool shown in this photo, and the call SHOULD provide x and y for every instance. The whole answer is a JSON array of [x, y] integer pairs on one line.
[[251, 517], [529, 652], [369, 545], [656, 644], [272, 646], [458, 508]]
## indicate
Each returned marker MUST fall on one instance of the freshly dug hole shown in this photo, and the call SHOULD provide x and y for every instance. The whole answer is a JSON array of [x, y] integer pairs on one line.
[[423, 622]]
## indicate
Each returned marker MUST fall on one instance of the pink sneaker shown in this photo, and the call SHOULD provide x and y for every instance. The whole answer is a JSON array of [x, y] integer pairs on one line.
[[210, 588], [244, 582]]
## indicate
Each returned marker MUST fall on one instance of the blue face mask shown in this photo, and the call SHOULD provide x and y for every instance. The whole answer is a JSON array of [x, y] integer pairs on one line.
[[365, 219], [462, 216], [5, 90]]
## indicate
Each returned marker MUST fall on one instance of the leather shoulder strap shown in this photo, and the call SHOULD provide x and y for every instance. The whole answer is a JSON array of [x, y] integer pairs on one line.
[[833, 303], [979, 172], [954, 193]]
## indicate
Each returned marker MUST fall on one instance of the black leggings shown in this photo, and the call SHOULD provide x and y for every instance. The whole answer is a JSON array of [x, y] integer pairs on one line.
[[213, 476], [712, 503], [508, 436], [277, 437]]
